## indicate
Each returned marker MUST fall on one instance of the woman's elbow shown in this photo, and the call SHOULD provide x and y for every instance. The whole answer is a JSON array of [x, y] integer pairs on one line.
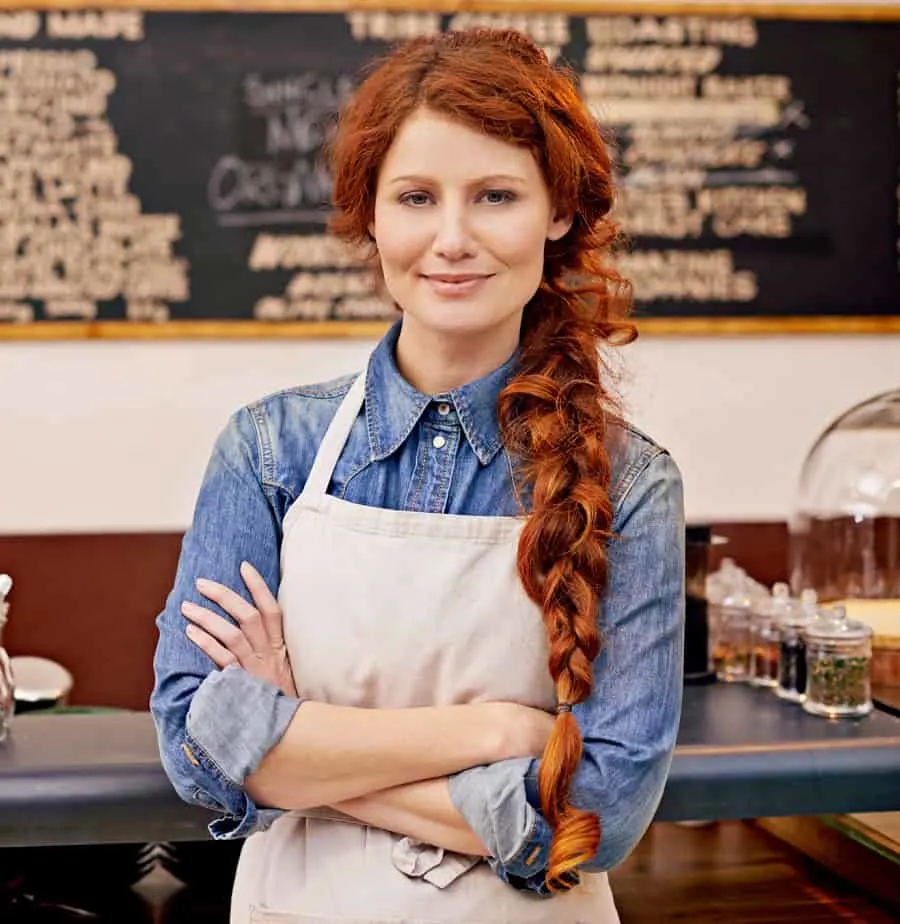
[[626, 817], [617, 840]]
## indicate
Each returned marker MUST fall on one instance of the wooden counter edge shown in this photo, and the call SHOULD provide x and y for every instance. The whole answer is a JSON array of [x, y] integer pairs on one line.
[[847, 847], [760, 9], [373, 330]]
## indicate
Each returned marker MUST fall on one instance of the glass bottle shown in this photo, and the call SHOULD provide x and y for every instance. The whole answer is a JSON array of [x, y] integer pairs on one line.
[[793, 619], [7, 687], [838, 665]]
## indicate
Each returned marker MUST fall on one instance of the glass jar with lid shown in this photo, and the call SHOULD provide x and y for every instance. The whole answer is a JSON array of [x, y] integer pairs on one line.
[[730, 631], [765, 637], [793, 617], [838, 665]]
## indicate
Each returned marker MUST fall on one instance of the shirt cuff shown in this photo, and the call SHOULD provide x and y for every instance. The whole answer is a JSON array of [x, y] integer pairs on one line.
[[492, 799], [235, 719]]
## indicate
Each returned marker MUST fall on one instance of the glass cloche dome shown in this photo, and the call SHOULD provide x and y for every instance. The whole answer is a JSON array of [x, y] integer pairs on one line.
[[845, 529]]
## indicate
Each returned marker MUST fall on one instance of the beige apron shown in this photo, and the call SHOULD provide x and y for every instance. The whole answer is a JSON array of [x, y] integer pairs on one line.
[[387, 608]]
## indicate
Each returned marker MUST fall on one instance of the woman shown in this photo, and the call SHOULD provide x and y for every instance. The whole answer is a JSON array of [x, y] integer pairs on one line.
[[465, 699]]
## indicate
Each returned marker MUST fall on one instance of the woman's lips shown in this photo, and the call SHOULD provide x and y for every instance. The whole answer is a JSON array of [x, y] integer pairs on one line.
[[453, 286]]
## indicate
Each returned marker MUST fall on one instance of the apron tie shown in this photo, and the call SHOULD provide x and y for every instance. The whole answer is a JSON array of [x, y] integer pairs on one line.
[[433, 864]]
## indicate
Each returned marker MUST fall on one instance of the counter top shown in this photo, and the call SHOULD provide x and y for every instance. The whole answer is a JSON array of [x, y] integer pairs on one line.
[[742, 753]]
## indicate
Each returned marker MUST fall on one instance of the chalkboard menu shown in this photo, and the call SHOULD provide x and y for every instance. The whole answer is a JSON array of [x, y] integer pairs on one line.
[[161, 171]]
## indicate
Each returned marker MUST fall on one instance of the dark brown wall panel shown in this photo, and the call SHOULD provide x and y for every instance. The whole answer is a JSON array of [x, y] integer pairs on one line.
[[90, 601], [761, 548]]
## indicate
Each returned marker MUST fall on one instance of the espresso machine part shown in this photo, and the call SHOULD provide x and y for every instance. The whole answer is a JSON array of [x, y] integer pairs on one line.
[[698, 667]]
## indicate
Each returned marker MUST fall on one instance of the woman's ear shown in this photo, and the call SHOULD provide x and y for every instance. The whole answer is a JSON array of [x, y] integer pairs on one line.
[[559, 226]]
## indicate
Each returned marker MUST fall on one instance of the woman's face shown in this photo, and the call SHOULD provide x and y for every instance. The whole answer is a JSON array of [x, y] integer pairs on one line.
[[461, 220]]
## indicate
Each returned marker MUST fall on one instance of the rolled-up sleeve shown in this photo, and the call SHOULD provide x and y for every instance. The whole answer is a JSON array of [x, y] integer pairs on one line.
[[630, 722], [214, 727]]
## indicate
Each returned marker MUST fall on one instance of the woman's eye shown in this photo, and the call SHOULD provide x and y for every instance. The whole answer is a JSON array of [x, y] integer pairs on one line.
[[497, 196], [415, 198]]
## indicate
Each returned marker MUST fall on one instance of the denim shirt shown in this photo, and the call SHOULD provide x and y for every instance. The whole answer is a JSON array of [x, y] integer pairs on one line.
[[214, 727]]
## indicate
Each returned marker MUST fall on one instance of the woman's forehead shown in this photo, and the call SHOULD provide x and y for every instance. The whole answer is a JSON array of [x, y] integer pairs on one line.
[[436, 144]]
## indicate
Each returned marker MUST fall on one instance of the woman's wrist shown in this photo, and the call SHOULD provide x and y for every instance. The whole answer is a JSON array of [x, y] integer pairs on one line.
[[509, 730]]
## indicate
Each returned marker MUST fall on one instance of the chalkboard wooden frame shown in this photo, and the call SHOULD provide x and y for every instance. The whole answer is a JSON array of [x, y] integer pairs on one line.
[[669, 326], [764, 9]]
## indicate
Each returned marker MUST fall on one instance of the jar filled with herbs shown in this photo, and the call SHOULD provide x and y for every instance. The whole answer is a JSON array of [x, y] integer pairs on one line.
[[794, 615], [838, 665]]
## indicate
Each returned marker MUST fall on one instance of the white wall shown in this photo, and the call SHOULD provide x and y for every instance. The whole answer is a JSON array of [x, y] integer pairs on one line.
[[114, 436]]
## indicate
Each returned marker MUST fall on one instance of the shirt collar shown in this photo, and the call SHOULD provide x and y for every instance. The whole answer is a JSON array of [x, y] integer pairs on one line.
[[393, 406]]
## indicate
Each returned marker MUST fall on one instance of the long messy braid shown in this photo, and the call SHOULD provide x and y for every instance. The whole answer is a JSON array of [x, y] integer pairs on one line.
[[554, 420]]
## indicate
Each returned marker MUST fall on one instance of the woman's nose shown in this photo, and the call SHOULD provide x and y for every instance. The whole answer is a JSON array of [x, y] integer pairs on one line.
[[453, 239]]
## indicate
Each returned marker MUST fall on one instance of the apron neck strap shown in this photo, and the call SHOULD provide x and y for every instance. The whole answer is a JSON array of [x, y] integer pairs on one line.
[[336, 437]]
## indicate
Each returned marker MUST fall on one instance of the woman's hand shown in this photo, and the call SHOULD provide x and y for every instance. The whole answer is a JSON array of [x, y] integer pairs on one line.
[[256, 643]]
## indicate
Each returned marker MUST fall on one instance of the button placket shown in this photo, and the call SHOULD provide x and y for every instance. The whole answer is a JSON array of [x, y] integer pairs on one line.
[[434, 470]]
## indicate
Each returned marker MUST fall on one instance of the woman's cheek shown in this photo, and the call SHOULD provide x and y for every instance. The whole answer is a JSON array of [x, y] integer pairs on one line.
[[516, 237]]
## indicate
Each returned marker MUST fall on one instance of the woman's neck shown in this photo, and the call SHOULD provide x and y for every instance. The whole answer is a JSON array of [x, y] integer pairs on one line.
[[434, 362]]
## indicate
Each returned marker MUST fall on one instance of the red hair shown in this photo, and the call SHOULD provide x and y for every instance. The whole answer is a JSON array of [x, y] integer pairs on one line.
[[554, 413]]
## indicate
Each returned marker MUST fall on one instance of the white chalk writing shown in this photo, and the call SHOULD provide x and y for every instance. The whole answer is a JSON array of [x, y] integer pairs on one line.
[[71, 233], [705, 153]]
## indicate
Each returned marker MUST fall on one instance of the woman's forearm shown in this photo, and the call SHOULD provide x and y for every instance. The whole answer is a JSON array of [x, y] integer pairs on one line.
[[423, 811], [330, 754]]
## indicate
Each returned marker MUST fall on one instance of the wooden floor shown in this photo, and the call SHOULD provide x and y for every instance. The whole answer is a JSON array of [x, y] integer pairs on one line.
[[727, 873], [732, 873]]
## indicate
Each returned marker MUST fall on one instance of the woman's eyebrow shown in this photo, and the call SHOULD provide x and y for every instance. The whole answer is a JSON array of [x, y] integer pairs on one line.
[[475, 181]]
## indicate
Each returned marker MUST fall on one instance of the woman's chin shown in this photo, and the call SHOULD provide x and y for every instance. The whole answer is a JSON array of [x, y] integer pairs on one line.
[[459, 318]]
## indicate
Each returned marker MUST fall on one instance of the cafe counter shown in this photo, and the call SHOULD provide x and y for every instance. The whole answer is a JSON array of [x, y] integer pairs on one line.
[[742, 753]]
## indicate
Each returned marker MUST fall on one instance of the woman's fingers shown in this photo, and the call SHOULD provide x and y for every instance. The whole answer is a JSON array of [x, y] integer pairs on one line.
[[230, 637], [256, 642], [245, 614], [219, 655], [266, 604]]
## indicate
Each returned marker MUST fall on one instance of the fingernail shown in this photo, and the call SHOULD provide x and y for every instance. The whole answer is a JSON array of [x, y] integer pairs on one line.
[[187, 606], [202, 584]]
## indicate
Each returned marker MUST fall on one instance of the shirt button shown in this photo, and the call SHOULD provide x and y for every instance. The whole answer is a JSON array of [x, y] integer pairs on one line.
[[439, 442], [443, 409]]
